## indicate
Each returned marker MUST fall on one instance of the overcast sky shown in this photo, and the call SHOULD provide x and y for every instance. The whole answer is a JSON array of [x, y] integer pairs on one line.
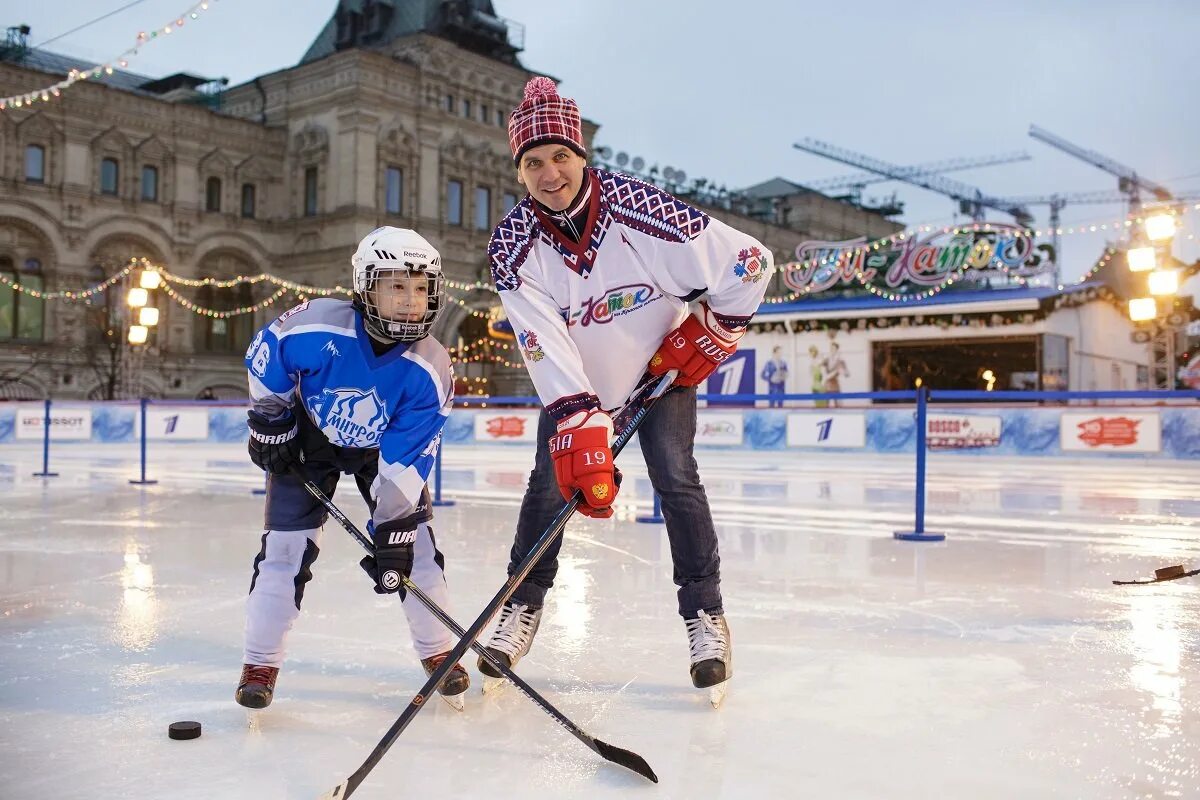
[[723, 90]]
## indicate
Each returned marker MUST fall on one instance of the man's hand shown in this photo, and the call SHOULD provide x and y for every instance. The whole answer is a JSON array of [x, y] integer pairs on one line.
[[696, 348], [583, 460]]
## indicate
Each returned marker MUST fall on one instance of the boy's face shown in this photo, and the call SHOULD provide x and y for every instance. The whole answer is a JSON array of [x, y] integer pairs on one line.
[[402, 297], [552, 173]]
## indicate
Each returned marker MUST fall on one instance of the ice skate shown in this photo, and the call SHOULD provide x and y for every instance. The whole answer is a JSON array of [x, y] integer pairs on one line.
[[509, 642], [453, 688], [711, 655], [256, 688]]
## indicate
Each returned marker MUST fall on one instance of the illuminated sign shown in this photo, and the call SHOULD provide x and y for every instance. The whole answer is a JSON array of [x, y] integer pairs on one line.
[[921, 262]]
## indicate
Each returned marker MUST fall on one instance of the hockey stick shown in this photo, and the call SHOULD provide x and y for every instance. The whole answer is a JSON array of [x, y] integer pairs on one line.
[[1160, 575], [640, 404], [617, 755]]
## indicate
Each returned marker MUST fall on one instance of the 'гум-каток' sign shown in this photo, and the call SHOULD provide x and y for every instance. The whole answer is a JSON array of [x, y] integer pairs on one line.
[[921, 262]]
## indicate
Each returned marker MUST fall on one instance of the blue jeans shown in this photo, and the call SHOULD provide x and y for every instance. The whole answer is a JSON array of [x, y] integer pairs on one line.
[[667, 436], [775, 388]]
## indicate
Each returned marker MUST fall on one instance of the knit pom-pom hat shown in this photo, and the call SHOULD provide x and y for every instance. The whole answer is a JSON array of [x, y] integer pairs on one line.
[[544, 118]]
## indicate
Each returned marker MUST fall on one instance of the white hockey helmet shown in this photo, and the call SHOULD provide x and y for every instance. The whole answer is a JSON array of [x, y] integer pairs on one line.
[[383, 253]]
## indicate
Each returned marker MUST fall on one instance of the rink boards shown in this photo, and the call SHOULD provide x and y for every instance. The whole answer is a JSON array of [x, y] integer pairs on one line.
[[1171, 432]]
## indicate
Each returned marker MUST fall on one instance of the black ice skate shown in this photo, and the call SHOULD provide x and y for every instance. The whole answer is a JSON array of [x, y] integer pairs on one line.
[[257, 686], [711, 653], [453, 687], [510, 641]]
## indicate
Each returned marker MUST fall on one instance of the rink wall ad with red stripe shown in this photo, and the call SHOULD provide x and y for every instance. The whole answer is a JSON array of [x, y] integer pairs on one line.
[[1102, 431]]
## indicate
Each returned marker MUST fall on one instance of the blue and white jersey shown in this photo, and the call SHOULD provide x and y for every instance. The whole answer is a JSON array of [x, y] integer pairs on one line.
[[319, 355]]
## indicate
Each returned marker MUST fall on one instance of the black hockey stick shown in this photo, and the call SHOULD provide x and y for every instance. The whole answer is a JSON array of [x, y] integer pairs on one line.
[[640, 405], [617, 755]]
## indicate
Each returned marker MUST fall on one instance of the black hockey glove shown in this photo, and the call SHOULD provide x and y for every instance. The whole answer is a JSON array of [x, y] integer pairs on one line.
[[274, 446], [393, 559]]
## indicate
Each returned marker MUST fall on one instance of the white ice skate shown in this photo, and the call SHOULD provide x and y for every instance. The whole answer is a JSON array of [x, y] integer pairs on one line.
[[510, 640], [711, 654]]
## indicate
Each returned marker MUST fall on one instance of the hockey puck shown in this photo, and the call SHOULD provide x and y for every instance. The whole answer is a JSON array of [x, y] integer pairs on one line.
[[184, 730]]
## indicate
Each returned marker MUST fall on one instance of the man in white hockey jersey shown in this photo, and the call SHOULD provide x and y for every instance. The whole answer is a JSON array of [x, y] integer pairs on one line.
[[357, 387], [596, 270]]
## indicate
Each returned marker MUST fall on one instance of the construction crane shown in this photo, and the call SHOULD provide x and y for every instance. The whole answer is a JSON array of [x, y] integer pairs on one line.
[[856, 181], [1128, 181], [971, 201]]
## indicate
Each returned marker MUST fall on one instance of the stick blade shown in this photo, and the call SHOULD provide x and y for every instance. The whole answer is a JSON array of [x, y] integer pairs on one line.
[[338, 792], [626, 758]]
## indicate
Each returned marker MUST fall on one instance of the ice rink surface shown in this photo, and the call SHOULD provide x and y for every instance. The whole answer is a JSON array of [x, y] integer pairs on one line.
[[1001, 663]]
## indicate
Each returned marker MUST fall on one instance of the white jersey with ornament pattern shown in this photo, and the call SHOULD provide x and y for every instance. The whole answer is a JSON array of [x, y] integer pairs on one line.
[[588, 315]]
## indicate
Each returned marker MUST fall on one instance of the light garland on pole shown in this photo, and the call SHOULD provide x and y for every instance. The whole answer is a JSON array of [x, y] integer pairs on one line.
[[120, 61]]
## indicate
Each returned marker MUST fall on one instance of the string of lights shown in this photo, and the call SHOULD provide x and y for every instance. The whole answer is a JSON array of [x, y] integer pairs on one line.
[[215, 314], [119, 61], [69, 296], [845, 256]]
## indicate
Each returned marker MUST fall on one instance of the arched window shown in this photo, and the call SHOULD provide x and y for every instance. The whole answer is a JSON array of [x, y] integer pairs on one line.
[[22, 316], [212, 194], [224, 334]]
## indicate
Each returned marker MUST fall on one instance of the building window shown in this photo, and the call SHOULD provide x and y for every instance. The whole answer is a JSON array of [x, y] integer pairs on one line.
[[212, 194], [35, 163], [21, 314], [150, 184], [310, 192], [393, 191], [483, 208], [228, 334], [248, 200], [500, 118], [510, 202], [454, 202], [467, 109], [110, 173], [450, 103], [484, 116]]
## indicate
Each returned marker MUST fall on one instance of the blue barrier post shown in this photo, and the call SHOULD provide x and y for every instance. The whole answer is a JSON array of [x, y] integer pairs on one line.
[[437, 479], [919, 534], [655, 518], [46, 473], [143, 481]]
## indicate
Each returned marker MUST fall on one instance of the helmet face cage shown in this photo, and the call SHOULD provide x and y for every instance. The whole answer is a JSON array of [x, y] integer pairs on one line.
[[368, 280]]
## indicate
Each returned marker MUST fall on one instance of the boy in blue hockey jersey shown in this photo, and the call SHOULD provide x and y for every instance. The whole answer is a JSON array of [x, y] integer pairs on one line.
[[357, 387]]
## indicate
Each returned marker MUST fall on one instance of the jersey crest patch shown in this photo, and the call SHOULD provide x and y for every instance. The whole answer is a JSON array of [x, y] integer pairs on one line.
[[531, 348], [749, 266], [350, 417]]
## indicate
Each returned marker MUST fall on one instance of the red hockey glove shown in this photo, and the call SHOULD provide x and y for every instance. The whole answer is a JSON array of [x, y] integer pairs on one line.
[[583, 460], [695, 348]]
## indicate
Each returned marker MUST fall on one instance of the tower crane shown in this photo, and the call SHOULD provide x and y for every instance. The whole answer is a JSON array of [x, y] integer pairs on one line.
[[1128, 181], [856, 181], [971, 200]]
